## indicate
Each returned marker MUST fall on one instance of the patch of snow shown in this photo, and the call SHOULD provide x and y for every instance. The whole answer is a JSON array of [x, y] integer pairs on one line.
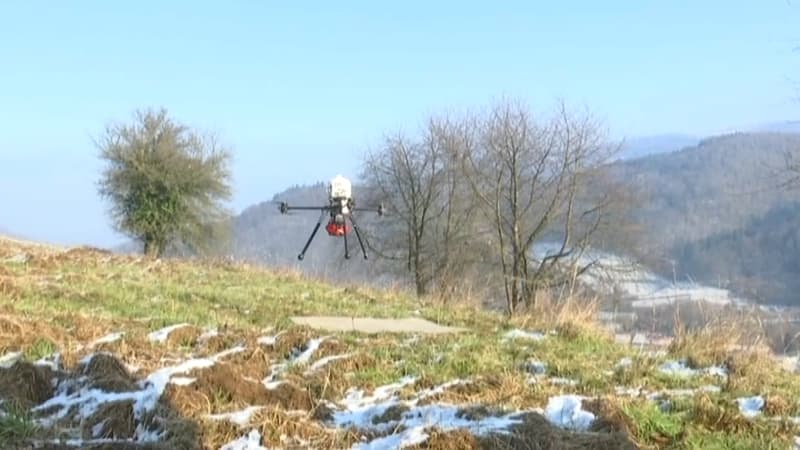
[[324, 361], [681, 369], [407, 438], [624, 363], [412, 340], [52, 361], [267, 340], [97, 429], [520, 334], [682, 392], [144, 435], [241, 418], [297, 358], [107, 339], [355, 399], [563, 381], [208, 334], [9, 359], [440, 388], [716, 371], [750, 406], [622, 276], [250, 442], [272, 384], [162, 334], [182, 381], [312, 346], [625, 391], [359, 411], [566, 411]]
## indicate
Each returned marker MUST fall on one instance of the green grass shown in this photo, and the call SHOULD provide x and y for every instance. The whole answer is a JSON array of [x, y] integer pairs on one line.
[[40, 349], [16, 425]]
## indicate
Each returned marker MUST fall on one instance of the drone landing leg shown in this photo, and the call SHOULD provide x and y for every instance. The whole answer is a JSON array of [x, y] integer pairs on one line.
[[358, 235], [310, 238], [346, 250]]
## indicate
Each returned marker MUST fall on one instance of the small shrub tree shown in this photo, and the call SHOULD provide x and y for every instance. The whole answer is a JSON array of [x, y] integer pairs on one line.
[[166, 183]]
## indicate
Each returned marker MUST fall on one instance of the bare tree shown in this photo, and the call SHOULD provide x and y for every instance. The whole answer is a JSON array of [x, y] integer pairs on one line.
[[420, 186], [530, 178]]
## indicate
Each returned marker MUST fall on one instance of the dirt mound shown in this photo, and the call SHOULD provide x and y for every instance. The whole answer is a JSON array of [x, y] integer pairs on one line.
[[535, 432], [449, 440], [610, 417], [111, 421], [109, 374], [26, 384], [293, 341], [184, 336], [227, 385], [217, 343]]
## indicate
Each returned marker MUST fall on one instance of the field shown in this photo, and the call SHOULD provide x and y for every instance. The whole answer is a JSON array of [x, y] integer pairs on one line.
[[120, 352]]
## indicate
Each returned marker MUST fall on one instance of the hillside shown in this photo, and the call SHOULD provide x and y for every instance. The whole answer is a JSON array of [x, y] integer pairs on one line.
[[650, 145], [716, 211], [118, 352], [713, 208]]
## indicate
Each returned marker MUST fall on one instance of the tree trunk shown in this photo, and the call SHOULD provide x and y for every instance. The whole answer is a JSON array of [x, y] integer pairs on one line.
[[153, 248]]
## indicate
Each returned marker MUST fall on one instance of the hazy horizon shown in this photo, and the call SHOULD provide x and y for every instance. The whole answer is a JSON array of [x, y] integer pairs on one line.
[[300, 94]]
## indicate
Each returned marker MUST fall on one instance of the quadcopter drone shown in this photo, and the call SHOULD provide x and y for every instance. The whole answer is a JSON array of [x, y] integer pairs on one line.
[[339, 210]]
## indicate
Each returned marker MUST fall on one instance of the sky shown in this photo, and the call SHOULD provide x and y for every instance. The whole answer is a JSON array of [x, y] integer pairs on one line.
[[300, 91]]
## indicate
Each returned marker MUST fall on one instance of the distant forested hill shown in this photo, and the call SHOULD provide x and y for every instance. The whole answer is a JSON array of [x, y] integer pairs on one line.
[[716, 210]]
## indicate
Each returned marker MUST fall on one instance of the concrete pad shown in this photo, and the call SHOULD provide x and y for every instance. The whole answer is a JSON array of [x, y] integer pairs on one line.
[[373, 326]]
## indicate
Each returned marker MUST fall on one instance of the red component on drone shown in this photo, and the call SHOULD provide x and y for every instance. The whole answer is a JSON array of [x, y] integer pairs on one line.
[[336, 229]]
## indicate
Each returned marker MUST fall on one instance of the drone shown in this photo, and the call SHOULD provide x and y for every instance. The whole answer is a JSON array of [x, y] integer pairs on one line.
[[340, 209]]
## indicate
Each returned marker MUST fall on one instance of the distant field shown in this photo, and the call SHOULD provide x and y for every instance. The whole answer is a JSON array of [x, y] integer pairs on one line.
[[180, 354]]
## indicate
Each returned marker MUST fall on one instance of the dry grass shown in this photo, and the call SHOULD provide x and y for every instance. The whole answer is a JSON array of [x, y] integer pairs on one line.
[[716, 341], [571, 317]]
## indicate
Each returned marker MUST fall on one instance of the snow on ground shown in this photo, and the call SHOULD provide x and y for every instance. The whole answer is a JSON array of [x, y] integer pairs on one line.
[[208, 334], [107, 339], [409, 437], [250, 442], [682, 369], [298, 357], [614, 274], [241, 418], [162, 334], [8, 359], [368, 413], [750, 406], [566, 411], [665, 393], [267, 340], [521, 334], [325, 361], [71, 394], [369, 416]]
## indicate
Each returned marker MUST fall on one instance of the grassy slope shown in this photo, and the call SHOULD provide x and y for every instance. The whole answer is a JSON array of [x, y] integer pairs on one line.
[[55, 300]]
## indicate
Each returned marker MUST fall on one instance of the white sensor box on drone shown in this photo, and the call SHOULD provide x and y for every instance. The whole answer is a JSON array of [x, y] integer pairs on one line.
[[340, 188]]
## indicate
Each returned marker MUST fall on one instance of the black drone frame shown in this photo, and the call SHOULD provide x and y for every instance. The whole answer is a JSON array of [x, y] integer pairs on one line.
[[337, 214]]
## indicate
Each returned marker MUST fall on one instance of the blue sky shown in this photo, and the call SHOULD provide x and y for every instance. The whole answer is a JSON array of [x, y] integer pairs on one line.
[[300, 92]]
